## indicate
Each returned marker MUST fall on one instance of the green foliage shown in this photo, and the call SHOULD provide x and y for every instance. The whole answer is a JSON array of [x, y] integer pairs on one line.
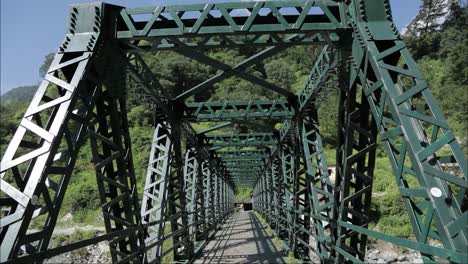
[[243, 194], [59, 240], [281, 73], [18, 96], [80, 234], [83, 195], [46, 64], [168, 244], [390, 215]]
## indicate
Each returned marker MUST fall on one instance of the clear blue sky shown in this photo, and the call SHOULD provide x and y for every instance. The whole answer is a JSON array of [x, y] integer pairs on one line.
[[30, 29]]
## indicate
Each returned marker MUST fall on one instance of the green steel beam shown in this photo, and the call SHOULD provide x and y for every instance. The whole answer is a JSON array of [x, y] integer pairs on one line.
[[242, 153], [214, 128], [227, 71], [242, 170], [317, 77], [239, 72], [240, 140], [238, 110], [262, 23], [243, 159], [318, 186]]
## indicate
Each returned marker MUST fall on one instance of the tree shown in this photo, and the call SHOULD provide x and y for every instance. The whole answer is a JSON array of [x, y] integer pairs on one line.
[[281, 73], [46, 64], [432, 14]]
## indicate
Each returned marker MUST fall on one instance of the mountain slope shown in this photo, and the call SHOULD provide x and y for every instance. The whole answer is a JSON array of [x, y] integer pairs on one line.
[[19, 95]]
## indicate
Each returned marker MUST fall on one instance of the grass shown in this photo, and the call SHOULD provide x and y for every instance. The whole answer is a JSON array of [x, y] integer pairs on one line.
[[276, 240], [58, 240], [291, 259], [167, 244]]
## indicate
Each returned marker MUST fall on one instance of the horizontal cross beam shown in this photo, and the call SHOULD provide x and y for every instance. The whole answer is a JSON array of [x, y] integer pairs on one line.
[[265, 23], [216, 127], [240, 140], [242, 168], [242, 162], [238, 110], [241, 152]]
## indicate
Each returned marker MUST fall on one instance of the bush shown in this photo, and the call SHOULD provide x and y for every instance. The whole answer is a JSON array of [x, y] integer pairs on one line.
[[83, 196], [391, 215], [243, 194]]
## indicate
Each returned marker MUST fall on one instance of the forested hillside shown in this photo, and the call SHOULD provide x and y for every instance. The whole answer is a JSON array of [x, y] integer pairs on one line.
[[441, 52]]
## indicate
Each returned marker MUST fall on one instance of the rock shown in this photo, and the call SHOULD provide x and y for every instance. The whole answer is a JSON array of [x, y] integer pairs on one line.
[[381, 261], [401, 257], [373, 254], [389, 256], [67, 217]]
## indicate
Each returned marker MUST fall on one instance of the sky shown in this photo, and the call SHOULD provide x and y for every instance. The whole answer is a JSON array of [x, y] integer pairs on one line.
[[30, 29]]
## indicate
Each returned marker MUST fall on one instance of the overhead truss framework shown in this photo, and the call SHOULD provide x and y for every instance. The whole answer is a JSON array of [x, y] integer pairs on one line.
[[192, 175]]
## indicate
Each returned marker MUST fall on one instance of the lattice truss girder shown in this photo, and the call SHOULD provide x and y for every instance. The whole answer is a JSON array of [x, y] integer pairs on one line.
[[191, 186], [212, 25], [238, 110], [240, 140]]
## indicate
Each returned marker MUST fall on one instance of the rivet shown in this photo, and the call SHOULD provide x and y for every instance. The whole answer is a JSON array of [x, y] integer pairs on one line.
[[34, 199], [436, 192]]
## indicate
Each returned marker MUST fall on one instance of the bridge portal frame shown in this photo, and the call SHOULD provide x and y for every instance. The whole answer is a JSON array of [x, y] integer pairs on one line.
[[382, 94]]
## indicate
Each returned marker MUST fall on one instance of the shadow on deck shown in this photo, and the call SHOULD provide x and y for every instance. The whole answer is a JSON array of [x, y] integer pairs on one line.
[[241, 240]]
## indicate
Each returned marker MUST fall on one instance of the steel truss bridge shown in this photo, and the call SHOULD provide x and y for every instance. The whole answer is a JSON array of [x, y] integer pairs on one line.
[[191, 177]]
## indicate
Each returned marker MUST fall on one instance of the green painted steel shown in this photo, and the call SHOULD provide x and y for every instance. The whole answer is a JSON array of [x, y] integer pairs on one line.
[[238, 110], [191, 179], [321, 71], [318, 186], [315, 22], [240, 140]]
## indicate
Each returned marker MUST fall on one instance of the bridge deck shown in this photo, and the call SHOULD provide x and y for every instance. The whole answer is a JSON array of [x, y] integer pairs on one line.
[[241, 240]]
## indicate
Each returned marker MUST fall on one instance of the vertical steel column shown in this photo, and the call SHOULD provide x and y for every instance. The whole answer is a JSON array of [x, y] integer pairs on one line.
[[190, 185], [41, 156], [226, 198], [211, 193], [183, 246], [282, 226], [216, 198], [154, 202], [254, 196], [221, 198], [319, 186], [277, 192], [356, 169], [260, 194], [271, 191], [289, 176], [301, 206], [266, 187], [263, 194], [113, 162], [201, 220]]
